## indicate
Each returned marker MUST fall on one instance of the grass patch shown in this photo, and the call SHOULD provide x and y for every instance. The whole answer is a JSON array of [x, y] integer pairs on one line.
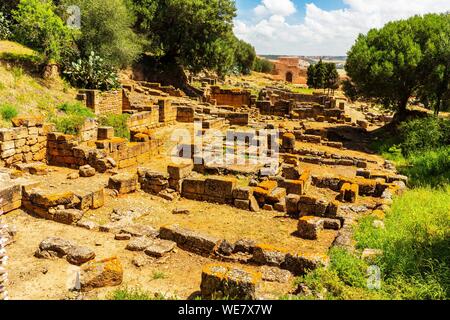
[[134, 294], [71, 117], [158, 275], [415, 260], [428, 168], [118, 122], [415, 242], [8, 112]]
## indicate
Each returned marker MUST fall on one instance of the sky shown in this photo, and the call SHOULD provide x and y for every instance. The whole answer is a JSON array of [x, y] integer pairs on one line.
[[320, 27]]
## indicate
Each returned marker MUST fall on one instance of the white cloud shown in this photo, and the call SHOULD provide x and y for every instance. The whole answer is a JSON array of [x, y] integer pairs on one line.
[[325, 32], [275, 7]]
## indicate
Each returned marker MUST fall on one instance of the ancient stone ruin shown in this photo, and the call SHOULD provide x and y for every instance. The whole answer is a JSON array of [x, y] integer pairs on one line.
[[229, 190]]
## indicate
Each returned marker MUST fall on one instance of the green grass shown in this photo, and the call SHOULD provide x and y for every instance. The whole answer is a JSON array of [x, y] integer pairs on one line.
[[428, 168], [134, 294], [71, 117], [415, 260], [158, 275], [119, 123], [8, 112], [415, 242]]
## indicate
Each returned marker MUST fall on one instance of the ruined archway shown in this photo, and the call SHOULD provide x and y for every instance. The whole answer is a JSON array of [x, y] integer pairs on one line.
[[289, 77]]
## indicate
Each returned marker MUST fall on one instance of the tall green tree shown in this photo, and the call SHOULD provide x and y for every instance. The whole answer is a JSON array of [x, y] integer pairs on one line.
[[401, 60], [332, 79], [263, 65], [106, 29], [245, 56], [39, 27], [433, 33], [183, 34]]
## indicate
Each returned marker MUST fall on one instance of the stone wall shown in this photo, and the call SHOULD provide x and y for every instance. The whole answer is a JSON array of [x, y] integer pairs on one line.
[[230, 97], [102, 102], [25, 143], [144, 120], [185, 114]]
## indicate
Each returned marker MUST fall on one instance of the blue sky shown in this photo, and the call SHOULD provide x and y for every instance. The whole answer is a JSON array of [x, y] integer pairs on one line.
[[320, 27]]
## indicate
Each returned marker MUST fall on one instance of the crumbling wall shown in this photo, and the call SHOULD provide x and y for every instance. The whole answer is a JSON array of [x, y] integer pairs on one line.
[[102, 102], [25, 143]]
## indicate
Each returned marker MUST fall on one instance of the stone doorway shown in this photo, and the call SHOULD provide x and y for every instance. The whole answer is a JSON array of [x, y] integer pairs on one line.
[[289, 77]]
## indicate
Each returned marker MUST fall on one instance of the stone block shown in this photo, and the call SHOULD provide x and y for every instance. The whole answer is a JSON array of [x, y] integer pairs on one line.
[[242, 193], [98, 274], [105, 133], [220, 187], [292, 201], [180, 171], [189, 240], [124, 183], [309, 227], [242, 204], [220, 281]]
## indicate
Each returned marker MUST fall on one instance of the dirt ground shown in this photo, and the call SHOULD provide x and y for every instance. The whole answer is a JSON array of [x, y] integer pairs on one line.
[[37, 279]]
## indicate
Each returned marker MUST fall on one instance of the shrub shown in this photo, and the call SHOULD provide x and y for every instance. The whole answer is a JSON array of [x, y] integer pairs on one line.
[[40, 28], [73, 118], [76, 109], [263, 65], [8, 112], [424, 134], [107, 30], [428, 168], [5, 27], [118, 122], [92, 73]]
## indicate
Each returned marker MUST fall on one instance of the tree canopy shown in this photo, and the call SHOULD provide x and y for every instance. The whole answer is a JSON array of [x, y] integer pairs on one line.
[[186, 32], [403, 59], [107, 30], [323, 76]]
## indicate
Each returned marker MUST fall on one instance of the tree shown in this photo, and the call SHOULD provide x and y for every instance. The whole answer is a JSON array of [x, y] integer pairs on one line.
[[183, 34], [402, 59], [332, 79], [323, 76], [434, 36], [245, 56], [38, 27], [106, 29], [263, 65], [311, 76]]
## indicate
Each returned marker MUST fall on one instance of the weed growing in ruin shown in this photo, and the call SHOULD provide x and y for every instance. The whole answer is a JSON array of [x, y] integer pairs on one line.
[[72, 117], [158, 275], [135, 294], [8, 112], [118, 122]]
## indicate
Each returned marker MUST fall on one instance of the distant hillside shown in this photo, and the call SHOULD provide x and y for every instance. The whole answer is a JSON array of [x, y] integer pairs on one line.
[[24, 89]]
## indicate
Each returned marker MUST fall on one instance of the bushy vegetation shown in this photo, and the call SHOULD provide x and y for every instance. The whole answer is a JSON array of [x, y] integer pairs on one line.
[[421, 151], [106, 29], [5, 27], [92, 73], [323, 76], [118, 122], [124, 294], [263, 65], [39, 27], [71, 117], [403, 59], [8, 112]]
